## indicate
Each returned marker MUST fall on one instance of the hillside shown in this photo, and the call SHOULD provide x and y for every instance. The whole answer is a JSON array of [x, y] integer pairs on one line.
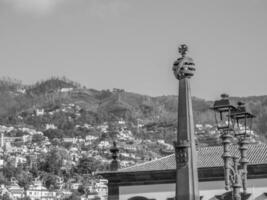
[[72, 104]]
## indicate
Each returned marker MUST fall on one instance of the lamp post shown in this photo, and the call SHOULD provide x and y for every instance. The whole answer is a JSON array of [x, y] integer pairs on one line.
[[185, 148], [233, 122]]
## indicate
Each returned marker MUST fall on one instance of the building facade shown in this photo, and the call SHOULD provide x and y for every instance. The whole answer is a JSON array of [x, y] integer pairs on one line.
[[38, 192], [155, 180]]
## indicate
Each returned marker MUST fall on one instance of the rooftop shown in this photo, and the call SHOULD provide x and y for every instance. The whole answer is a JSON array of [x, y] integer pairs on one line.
[[207, 157]]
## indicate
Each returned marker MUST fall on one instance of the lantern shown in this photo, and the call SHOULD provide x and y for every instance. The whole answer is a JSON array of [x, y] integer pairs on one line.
[[222, 110], [243, 120]]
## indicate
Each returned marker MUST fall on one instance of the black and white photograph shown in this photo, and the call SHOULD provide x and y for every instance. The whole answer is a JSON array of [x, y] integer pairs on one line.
[[133, 100]]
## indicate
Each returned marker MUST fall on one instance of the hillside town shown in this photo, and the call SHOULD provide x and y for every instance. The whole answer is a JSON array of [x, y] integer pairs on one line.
[[60, 140], [133, 100], [72, 161], [44, 164]]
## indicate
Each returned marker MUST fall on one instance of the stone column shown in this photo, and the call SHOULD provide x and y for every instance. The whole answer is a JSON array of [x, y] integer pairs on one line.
[[113, 188], [113, 191], [185, 148], [114, 165]]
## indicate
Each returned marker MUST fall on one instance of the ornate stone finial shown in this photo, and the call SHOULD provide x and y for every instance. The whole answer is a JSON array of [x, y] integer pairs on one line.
[[114, 150], [225, 96], [114, 165], [241, 109], [183, 49], [183, 67], [240, 104]]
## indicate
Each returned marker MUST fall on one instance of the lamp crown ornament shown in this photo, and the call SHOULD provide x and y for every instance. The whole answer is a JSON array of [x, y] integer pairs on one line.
[[240, 103], [183, 67]]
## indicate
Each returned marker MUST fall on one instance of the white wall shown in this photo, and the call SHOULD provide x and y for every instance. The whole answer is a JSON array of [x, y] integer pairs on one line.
[[207, 189]]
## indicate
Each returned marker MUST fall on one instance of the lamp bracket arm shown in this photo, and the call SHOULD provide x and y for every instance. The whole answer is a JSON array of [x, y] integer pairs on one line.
[[232, 170], [233, 174]]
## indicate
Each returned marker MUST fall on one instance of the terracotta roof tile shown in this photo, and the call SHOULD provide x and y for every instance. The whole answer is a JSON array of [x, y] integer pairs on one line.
[[207, 157]]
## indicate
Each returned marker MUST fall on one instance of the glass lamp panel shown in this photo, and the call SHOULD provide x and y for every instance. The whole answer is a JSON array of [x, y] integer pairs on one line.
[[223, 120], [244, 122], [240, 130]]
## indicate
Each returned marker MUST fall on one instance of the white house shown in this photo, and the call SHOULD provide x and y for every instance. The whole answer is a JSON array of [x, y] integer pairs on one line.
[[38, 192], [90, 137], [15, 190], [50, 126], [70, 140], [1, 163], [66, 89], [75, 186], [104, 144], [39, 112], [20, 160]]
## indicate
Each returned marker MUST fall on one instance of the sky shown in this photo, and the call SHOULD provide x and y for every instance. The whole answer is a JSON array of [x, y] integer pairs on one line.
[[132, 44]]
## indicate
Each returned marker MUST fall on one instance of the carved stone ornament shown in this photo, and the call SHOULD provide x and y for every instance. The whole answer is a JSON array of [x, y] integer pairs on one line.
[[182, 156], [183, 67], [181, 153]]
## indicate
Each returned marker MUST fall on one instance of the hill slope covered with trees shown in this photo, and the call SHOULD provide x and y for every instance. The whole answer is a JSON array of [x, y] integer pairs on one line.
[[19, 102]]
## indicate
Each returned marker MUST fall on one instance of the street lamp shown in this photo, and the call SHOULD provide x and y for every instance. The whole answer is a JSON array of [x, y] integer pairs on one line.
[[243, 121], [234, 122], [222, 110]]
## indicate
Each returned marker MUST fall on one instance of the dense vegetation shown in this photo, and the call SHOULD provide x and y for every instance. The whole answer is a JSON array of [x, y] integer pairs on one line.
[[19, 102]]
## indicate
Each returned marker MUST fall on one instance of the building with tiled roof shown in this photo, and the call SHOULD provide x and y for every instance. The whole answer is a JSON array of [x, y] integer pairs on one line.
[[15, 190], [155, 180], [207, 157]]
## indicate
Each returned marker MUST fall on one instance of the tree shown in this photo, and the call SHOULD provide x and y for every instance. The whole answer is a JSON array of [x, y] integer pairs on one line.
[[87, 165], [50, 181], [9, 170], [54, 133], [34, 171], [24, 179], [54, 161], [81, 189], [3, 180], [6, 197], [37, 138], [55, 142]]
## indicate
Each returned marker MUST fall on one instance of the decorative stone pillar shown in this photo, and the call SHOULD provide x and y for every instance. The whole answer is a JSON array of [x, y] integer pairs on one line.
[[113, 188], [185, 148], [236, 180], [244, 161], [114, 165], [227, 157]]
